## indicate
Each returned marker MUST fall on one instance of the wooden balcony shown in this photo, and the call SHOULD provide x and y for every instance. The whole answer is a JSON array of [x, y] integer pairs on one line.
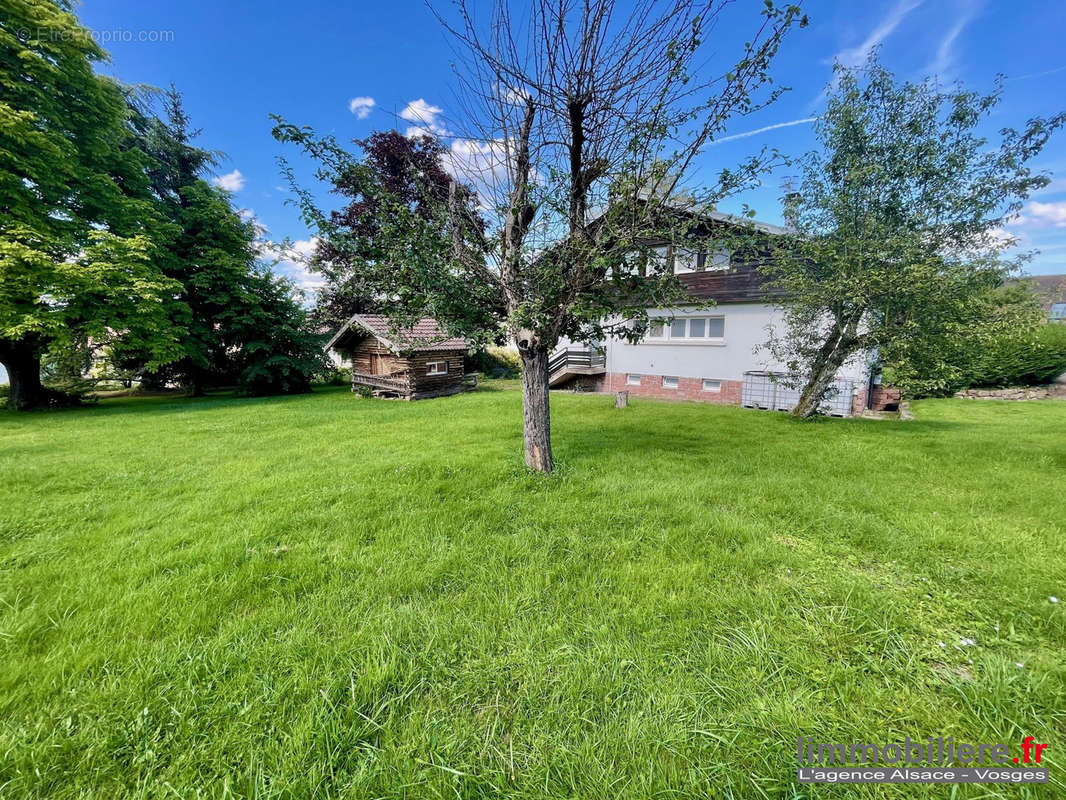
[[394, 382], [566, 363]]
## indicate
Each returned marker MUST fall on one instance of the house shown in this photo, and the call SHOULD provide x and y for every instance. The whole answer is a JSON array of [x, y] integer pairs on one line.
[[412, 363], [1051, 289], [711, 348]]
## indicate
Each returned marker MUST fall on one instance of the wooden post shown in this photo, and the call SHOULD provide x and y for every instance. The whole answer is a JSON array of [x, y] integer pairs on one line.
[[621, 399]]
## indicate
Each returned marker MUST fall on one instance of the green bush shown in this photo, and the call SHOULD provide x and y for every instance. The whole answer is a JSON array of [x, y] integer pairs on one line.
[[333, 375], [495, 362], [1002, 338], [1023, 359]]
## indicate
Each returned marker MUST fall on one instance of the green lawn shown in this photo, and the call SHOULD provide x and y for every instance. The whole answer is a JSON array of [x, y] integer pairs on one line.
[[334, 597]]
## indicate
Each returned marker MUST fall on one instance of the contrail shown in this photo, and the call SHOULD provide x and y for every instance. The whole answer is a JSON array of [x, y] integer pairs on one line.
[[803, 121]]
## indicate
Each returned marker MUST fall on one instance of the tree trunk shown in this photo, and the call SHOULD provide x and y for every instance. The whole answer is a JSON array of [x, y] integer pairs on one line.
[[23, 364], [817, 385], [839, 347], [536, 418]]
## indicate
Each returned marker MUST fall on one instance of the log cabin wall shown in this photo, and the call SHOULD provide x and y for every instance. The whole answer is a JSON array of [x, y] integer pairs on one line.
[[370, 357], [425, 385]]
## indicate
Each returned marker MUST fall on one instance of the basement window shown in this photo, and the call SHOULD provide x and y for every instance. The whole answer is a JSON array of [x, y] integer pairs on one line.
[[437, 368], [632, 379], [711, 385], [670, 381]]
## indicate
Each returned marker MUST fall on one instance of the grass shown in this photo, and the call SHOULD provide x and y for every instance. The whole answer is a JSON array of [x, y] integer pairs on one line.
[[333, 597]]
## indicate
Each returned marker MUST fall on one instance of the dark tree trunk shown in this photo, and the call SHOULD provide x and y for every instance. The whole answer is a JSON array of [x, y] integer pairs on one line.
[[22, 361], [535, 414]]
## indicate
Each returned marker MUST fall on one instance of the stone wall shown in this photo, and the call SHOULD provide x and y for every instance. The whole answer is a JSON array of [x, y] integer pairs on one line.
[[1013, 393]]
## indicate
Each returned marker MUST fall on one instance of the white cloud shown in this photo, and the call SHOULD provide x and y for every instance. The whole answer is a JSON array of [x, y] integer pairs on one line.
[[764, 129], [426, 118], [231, 181], [361, 106], [292, 262], [944, 62], [1043, 215], [480, 164], [856, 56]]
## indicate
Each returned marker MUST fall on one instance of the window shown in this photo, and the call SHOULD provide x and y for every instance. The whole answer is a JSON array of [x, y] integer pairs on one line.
[[632, 379], [659, 258], [718, 259], [1058, 310], [693, 330], [711, 386], [686, 261], [437, 368], [669, 381]]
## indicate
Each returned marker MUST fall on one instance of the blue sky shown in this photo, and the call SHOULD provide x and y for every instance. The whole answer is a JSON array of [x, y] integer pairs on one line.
[[237, 61]]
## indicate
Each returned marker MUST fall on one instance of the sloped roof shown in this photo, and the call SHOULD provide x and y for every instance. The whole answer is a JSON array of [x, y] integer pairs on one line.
[[426, 334], [1051, 288]]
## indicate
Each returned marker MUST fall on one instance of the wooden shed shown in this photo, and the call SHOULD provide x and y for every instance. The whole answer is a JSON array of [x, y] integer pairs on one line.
[[412, 363]]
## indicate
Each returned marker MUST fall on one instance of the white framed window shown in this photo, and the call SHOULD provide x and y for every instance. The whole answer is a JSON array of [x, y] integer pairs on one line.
[[718, 259], [632, 379], [687, 329], [437, 368], [659, 259], [670, 381], [686, 261], [710, 385]]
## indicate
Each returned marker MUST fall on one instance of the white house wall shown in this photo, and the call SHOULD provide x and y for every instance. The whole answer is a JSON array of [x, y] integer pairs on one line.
[[741, 350]]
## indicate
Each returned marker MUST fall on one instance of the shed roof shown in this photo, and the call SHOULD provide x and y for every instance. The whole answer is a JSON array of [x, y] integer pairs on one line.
[[426, 334]]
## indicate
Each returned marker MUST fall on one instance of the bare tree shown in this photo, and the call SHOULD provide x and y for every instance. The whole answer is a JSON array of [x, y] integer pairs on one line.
[[588, 122]]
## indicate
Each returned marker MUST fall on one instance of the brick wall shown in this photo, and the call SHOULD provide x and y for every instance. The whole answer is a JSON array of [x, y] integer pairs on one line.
[[687, 389], [692, 389], [884, 396]]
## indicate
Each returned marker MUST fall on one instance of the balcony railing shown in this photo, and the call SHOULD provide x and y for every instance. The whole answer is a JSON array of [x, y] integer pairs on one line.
[[393, 382], [585, 359]]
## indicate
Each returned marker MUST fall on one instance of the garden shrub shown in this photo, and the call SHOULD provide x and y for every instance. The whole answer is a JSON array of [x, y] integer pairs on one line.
[[1027, 358], [495, 362]]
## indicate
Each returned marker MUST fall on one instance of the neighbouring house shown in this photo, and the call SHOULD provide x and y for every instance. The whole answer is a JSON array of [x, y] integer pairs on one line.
[[412, 363], [1051, 289], [711, 348]]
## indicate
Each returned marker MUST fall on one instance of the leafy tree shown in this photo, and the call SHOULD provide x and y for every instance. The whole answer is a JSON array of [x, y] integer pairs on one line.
[[579, 123], [77, 228], [279, 351], [240, 324], [402, 170], [897, 226]]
